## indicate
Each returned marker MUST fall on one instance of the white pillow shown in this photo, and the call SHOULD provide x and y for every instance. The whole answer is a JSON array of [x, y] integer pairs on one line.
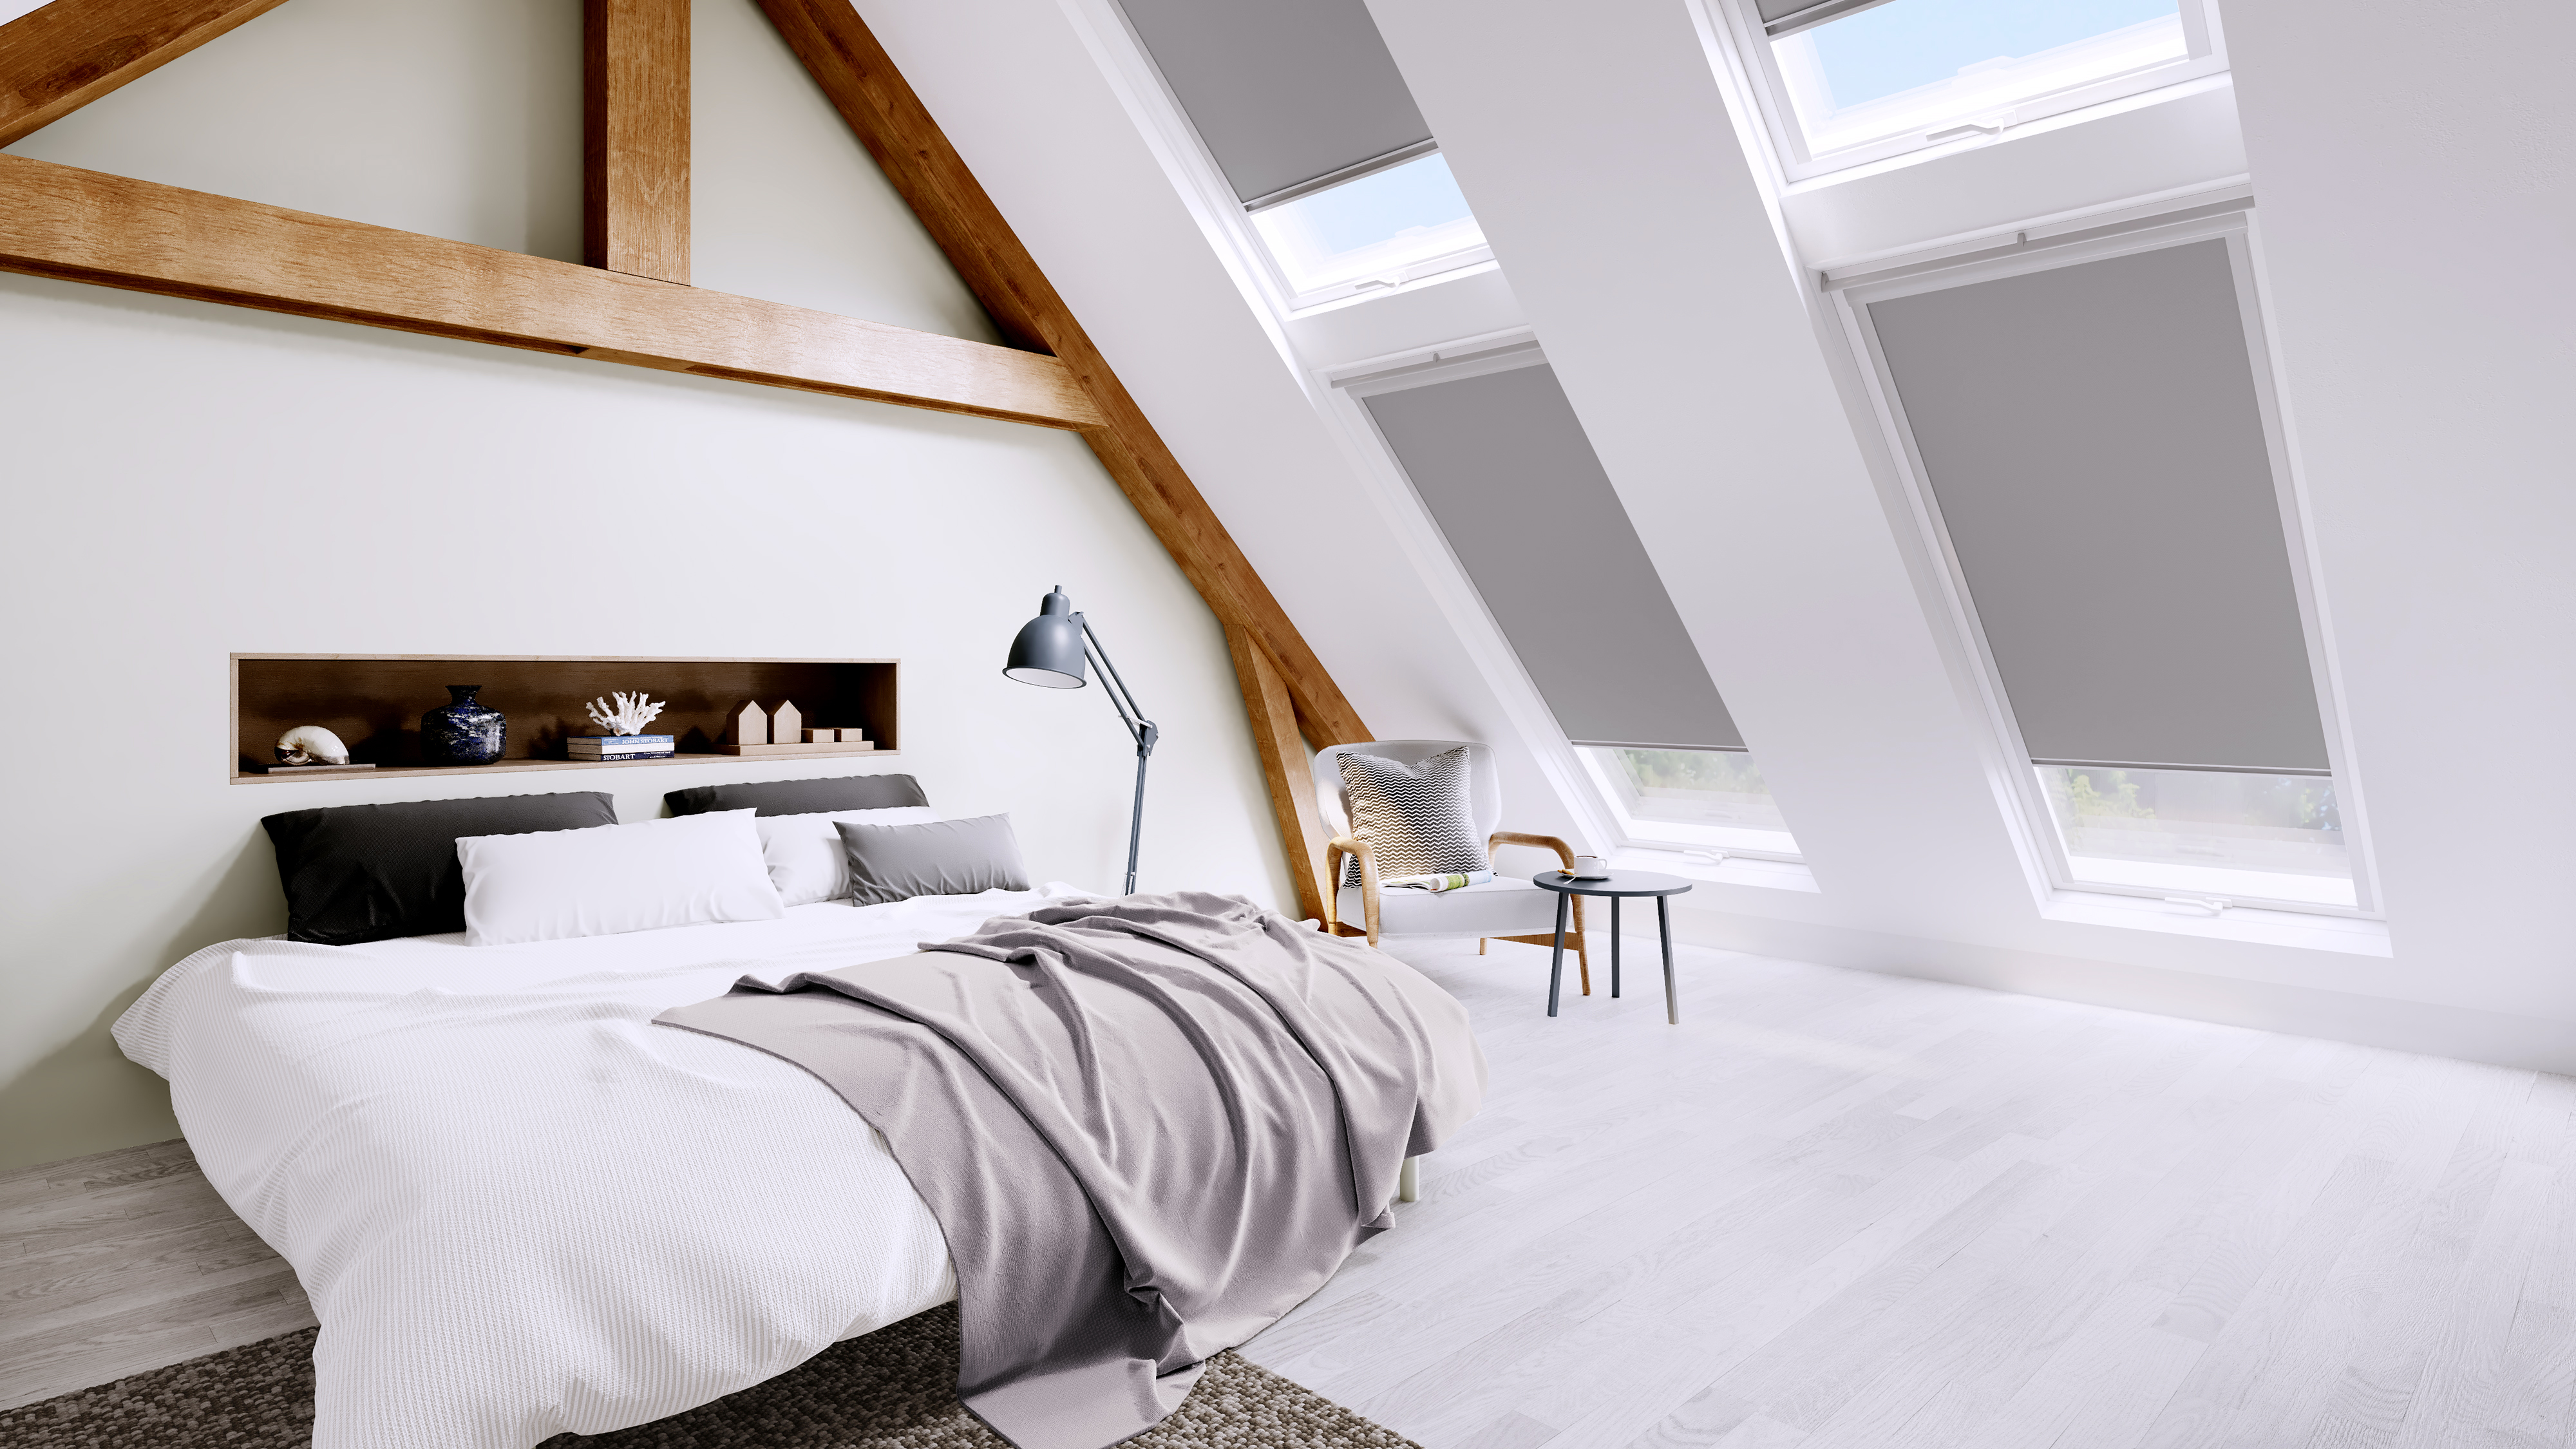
[[609, 879], [806, 861]]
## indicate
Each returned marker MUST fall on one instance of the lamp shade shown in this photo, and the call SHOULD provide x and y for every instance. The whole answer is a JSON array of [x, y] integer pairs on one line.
[[1048, 651]]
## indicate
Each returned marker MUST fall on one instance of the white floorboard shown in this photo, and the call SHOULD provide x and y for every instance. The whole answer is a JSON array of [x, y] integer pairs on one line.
[[1840, 1209]]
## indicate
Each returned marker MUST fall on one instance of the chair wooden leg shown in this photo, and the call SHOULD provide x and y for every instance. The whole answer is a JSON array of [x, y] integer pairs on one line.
[[1582, 947], [1480, 945]]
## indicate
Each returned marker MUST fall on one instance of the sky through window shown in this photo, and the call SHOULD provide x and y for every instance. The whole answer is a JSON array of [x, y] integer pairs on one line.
[[1913, 67], [1909, 43], [1385, 204], [1376, 226]]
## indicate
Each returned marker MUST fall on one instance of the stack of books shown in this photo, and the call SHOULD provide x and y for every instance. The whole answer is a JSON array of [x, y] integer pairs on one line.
[[617, 747]]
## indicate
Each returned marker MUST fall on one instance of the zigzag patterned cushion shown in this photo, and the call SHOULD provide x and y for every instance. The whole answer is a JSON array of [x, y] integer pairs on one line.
[[1415, 818]]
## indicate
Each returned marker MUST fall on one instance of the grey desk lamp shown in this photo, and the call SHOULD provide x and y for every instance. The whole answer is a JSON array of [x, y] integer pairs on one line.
[[1049, 653]]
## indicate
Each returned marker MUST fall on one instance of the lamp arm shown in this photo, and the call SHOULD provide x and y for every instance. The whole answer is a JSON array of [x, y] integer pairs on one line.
[[1114, 685], [1145, 731]]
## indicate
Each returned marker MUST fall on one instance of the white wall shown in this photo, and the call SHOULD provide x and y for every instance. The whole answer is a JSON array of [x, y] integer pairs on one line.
[[786, 205], [451, 119], [2417, 172], [187, 480]]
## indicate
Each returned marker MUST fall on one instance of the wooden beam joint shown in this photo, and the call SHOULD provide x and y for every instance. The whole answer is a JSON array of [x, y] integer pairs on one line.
[[60, 221]]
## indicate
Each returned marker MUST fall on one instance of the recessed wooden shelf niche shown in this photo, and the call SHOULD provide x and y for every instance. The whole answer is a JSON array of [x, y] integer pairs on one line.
[[374, 702]]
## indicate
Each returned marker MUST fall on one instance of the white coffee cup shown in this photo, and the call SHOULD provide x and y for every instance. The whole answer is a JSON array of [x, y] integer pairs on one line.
[[1588, 867]]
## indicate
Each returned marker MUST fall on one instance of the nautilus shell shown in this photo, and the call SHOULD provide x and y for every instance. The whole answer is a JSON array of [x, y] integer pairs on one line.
[[311, 745]]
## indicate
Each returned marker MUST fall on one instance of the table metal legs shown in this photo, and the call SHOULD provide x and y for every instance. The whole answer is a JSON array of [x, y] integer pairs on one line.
[[1556, 968], [1614, 946], [1663, 931], [1664, 925]]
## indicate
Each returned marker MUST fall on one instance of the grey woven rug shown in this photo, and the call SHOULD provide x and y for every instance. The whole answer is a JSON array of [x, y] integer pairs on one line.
[[895, 1388]]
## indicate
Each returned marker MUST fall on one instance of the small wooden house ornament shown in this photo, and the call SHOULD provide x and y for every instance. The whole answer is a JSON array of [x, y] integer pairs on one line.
[[786, 723], [750, 724]]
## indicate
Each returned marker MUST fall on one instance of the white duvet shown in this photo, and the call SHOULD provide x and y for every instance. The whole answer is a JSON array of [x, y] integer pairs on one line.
[[518, 1206]]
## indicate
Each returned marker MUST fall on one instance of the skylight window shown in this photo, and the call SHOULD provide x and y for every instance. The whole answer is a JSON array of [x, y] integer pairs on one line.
[[1313, 131], [1381, 229], [1861, 81], [2202, 832], [1506, 476], [2090, 441], [1713, 799]]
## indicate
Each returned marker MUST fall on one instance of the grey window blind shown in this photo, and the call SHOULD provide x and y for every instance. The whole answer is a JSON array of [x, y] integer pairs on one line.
[[1788, 17], [1506, 471], [1282, 91], [2091, 436]]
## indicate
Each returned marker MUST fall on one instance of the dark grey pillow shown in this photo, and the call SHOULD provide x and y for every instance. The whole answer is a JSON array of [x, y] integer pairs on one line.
[[940, 858], [800, 797], [356, 873]]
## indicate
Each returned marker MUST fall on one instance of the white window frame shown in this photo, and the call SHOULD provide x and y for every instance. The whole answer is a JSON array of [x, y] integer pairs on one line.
[[1741, 22], [1848, 297], [1720, 842], [1122, 56], [1577, 777]]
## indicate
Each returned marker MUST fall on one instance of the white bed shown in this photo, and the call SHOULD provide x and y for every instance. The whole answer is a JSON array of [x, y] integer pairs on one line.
[[518, 1206]]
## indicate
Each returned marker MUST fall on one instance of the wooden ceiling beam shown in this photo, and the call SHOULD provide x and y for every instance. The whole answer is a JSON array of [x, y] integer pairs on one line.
[[60, 57], [635, 137], [863, 85], [59, 221]]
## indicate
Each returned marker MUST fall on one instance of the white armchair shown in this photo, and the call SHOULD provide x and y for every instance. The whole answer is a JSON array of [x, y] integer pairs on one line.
[[1502, 909]]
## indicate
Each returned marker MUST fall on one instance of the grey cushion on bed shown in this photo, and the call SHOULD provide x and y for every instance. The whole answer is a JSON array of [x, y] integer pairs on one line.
[[940, 858], [357, 873], [801, 797]]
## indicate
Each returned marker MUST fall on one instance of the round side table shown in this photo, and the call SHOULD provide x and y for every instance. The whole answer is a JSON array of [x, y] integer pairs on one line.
[[1619, 885]]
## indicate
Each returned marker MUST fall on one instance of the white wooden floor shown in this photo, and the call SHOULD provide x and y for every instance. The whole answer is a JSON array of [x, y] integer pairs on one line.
[[1833, 1208]]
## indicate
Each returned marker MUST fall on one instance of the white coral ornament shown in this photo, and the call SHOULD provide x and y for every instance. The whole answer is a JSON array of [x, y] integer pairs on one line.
[[632, 714], [311, 745]]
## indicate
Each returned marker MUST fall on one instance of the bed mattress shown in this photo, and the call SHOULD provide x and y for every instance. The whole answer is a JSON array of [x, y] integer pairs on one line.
[[518, 1206]]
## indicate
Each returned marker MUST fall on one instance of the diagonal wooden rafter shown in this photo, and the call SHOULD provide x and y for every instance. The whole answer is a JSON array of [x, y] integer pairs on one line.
[[61, 57], [863, 85]]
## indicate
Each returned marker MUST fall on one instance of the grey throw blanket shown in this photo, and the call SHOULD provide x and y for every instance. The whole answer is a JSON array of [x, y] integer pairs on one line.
[[1148, 1127]]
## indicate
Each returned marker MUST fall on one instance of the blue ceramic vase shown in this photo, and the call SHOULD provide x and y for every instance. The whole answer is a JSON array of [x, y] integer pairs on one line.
[[462, 732]]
